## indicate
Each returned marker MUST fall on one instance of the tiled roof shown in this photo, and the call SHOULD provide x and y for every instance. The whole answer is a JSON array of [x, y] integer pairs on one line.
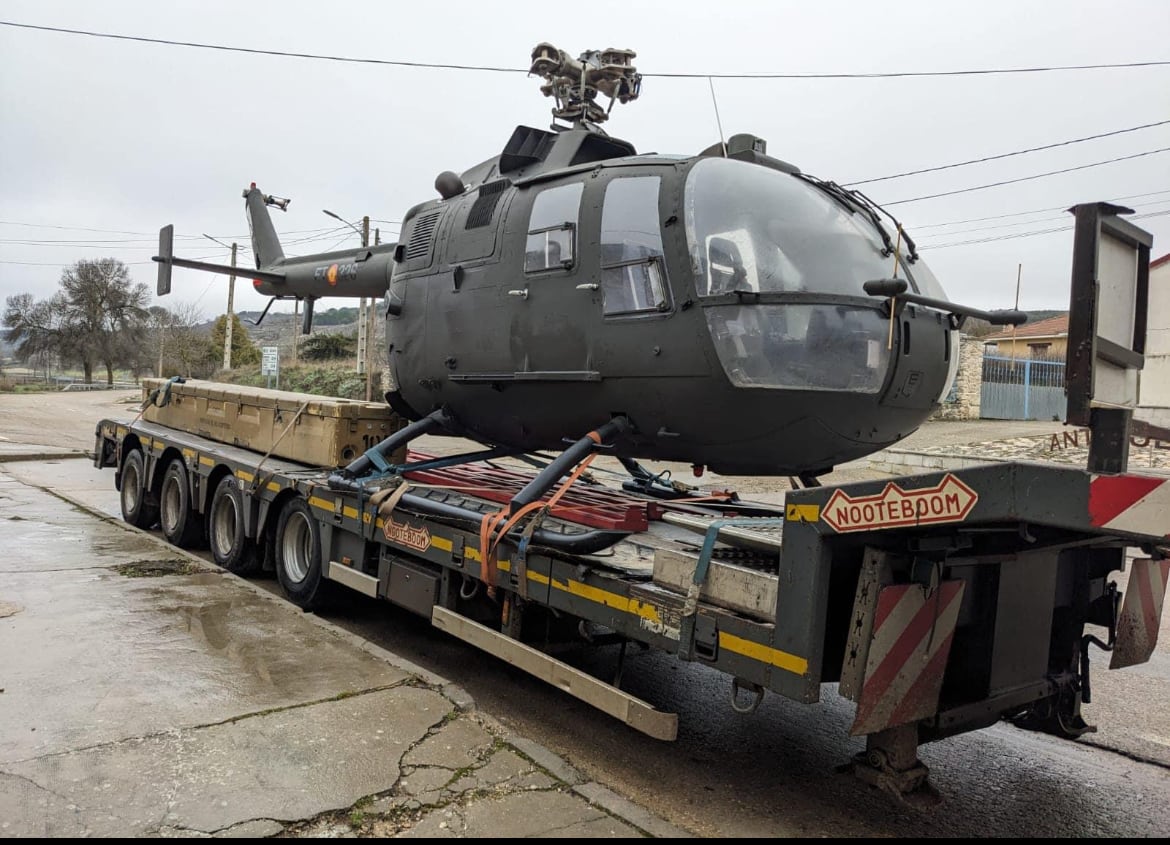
[[1052, 327]]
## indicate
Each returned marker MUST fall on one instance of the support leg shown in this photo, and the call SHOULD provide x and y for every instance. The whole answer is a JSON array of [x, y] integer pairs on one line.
[[890, 762]]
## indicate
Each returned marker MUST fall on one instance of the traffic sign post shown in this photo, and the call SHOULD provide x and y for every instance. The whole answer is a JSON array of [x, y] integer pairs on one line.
[[270, 364]]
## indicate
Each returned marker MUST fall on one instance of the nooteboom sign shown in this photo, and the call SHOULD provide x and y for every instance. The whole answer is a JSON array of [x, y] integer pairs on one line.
[[948, 501]]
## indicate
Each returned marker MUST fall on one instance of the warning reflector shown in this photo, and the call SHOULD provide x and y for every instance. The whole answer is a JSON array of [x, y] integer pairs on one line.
[[1141, 613]]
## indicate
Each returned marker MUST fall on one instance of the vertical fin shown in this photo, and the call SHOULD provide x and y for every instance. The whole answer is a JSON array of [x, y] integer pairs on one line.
[[166, 252], [265, 243]]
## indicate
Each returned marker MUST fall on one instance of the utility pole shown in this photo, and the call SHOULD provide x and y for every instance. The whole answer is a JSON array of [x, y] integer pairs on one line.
[[296, 327], [231, 314], [231, 308], [371, 326], [363, 342]]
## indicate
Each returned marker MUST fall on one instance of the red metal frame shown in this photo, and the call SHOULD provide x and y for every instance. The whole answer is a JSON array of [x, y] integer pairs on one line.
[[582, 504]]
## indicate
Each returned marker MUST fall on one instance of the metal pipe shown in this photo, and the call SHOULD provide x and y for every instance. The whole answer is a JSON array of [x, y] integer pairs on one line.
[[344, 480], [583, 543], [564, 462]]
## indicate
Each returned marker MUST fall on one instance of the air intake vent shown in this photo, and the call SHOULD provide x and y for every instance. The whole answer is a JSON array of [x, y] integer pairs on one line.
[[485, 204], [420, 236]]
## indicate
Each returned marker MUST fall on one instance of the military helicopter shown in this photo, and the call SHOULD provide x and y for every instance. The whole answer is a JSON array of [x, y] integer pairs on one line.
[[722, 309]]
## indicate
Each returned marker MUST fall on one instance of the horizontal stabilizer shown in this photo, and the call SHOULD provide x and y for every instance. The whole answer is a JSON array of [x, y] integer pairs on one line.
[[166, 260]]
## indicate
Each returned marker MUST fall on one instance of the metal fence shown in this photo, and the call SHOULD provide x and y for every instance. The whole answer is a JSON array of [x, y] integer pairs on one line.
[[1023, 389]]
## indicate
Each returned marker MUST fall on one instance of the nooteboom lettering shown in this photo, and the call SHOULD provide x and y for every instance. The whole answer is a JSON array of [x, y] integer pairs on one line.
[[407, 535], [869, 513]]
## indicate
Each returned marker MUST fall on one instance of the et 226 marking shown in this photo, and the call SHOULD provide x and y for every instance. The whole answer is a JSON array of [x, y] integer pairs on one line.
[[332, 273]]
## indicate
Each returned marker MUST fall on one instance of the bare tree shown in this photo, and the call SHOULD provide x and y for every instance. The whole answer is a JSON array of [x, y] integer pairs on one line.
[[98, 317], [179, 341], [38, 329], [106, 313]]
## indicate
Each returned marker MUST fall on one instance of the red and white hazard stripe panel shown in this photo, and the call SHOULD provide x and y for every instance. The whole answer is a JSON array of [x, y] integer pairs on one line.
[[1141, 613], [912, 634], [1135, 504]]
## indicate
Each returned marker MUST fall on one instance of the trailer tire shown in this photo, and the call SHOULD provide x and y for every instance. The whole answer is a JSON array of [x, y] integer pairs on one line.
[[230, 545], [180, 524], [298, 556], [139, 506]]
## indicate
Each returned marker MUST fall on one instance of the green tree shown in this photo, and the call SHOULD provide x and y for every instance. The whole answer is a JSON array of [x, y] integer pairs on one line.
[[245, 353], [326, 346]]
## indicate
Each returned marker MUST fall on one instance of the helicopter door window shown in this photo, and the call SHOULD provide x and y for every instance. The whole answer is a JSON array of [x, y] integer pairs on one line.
[[633, 278], [552, 229]]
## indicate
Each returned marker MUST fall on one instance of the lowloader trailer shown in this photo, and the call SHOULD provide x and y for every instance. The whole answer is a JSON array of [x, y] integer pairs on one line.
[[939, 603]]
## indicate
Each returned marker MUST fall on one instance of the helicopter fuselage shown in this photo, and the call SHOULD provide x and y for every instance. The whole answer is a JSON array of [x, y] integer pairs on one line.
[[717, 304]]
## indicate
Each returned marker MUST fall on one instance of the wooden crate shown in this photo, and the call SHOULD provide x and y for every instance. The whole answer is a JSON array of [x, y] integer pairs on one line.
[[328, 432]]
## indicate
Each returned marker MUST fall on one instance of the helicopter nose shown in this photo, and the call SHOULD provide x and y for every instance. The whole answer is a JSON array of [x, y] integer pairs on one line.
[[802, 346]]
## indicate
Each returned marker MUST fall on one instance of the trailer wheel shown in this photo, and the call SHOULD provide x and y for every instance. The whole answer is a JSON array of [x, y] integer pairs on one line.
[[180, 524], [298, 555], [139, 507], [230, 546]]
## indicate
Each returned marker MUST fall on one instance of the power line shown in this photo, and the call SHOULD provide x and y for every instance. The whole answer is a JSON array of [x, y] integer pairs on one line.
[[1008, 155], [1027, 178], [1016, 235], [498, 69], [1038, 220], [1022, 213], [143, 234]]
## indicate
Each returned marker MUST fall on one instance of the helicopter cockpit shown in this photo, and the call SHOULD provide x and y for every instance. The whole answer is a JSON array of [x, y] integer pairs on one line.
[[779, 266]]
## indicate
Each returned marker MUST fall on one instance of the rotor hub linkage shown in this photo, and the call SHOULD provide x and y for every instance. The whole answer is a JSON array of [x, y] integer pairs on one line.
[[575, 83]]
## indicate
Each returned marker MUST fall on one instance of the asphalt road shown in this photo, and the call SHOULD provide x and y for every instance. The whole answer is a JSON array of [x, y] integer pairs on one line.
[[770, 773]]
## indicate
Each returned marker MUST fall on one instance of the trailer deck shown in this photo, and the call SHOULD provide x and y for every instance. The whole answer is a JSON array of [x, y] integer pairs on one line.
[[939, 603]]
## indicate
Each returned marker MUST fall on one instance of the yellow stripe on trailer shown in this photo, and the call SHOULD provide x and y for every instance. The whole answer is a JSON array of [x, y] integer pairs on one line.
[[605, 597], [244, 475], [763, 653]]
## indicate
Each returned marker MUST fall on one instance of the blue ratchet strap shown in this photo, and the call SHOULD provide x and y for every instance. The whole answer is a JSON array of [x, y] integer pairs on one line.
[[686, 641], [519, 569]]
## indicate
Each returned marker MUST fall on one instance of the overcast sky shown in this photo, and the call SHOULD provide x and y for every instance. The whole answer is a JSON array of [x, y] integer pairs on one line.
[[120, 136]]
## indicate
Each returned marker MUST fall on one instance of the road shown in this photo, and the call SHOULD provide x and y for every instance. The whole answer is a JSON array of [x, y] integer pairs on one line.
[[771, 773]]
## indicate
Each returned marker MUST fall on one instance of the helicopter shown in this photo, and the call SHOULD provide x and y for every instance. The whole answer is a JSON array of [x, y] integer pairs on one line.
[[722, 309]]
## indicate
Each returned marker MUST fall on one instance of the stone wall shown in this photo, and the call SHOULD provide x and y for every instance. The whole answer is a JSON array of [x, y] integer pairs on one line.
[[962, 403]]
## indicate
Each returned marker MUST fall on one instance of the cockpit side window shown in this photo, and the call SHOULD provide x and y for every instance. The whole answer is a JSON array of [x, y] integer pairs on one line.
[[633, 274], [552, 229]]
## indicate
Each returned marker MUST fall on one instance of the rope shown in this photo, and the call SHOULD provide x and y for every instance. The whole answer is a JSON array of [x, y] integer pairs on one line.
[[490, 537], [275, 443]]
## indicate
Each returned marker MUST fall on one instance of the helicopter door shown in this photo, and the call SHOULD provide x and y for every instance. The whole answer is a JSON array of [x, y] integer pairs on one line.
[[550, 340]]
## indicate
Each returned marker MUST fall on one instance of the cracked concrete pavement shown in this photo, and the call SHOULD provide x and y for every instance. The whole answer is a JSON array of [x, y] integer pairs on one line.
[[143, 693]]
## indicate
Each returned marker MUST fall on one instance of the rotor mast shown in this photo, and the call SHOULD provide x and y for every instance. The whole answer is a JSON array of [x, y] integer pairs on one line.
[[575, 83]]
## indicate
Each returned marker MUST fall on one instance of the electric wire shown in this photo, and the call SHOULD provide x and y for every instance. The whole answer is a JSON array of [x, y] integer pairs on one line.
[[1017, 235], [1026, 178], [1007, 155], [499, 69], [1065, 207]]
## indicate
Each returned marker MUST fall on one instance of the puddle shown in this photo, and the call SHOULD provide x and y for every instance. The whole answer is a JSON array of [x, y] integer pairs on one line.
[[158, 568]]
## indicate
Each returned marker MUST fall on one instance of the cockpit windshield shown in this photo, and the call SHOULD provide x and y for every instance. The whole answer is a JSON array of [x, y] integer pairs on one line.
[[750, 228]]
